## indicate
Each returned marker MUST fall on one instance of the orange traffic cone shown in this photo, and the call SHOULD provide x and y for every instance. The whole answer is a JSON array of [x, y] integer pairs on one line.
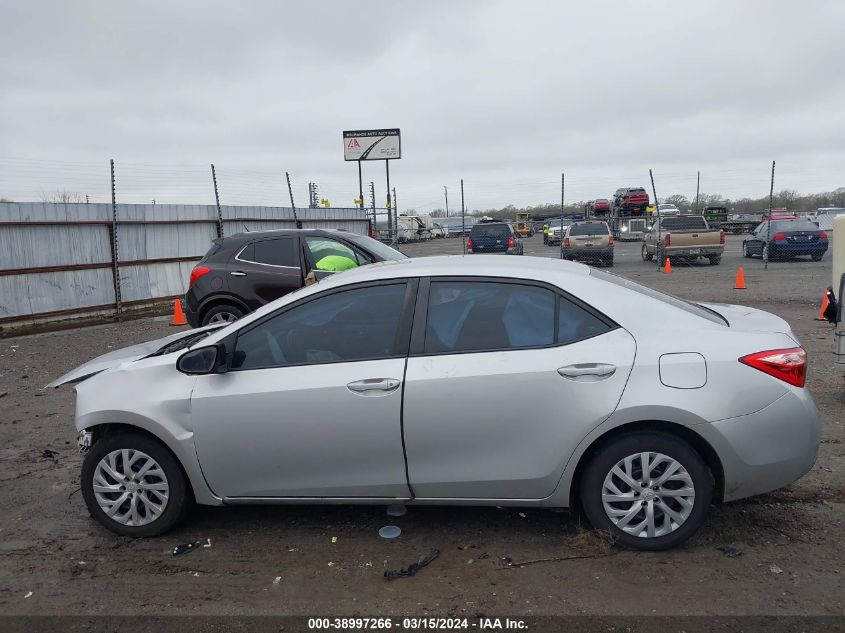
[[178, 315], [825, 301], [668, 267], [740, 280]]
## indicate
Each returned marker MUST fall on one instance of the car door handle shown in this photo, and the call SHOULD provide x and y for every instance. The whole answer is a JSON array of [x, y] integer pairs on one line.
[[373, 384], [237, 273], [587, 371]]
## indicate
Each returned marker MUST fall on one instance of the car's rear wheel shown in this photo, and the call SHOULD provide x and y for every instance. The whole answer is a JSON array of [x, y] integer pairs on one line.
[[647, 257], [223, 313], [134, 486], [745, 251], [817, 257], [650, 490]]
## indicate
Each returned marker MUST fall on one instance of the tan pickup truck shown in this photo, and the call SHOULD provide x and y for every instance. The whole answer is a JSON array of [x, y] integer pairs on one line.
[[683, 237]]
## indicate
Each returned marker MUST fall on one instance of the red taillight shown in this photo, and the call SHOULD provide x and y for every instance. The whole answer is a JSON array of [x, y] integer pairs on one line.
[[721, 237], [823, 235], [667, 240], [469, 243], [610, 240], [198, 272], [373, 234], [789, 365], [511, 242], [779, 236], [566, 242]]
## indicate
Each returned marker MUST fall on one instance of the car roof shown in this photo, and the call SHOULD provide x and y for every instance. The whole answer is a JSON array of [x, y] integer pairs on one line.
[[250, 235]]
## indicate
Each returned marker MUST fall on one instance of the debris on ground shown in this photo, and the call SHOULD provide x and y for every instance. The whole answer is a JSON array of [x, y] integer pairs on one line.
[[29, 594], [179, 550], [522, 514], [730, 552], [207, 543], [775, 569], [389, 531], [413, 568], [50, 454], [276, 581], [4, 394]]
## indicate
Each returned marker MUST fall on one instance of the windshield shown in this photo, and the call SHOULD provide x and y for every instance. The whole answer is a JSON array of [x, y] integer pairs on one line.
[[686, 306], [682, 223], [490, 230], [382, 251], [793, 225], [599, 228]]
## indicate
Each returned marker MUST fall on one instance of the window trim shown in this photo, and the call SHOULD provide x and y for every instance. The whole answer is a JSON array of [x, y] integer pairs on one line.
[[418, 331], [403, 331], [249, 261]]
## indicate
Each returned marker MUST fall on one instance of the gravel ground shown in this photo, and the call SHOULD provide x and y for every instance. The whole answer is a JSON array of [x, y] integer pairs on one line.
[[790, 560]]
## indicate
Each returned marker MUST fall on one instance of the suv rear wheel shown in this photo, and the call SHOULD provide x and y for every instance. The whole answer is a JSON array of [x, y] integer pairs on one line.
[[134, 486], [650, 490]]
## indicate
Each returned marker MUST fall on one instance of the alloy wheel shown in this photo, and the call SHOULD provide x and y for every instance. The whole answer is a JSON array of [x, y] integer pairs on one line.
[[222, 317], [130, 487], [648, 495]]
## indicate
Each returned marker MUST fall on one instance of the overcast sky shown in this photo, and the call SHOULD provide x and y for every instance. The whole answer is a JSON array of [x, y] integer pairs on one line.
[[504, 94]]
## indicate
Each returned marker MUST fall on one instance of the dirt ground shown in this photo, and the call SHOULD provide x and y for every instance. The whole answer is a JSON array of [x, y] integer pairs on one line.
[[788, 555]]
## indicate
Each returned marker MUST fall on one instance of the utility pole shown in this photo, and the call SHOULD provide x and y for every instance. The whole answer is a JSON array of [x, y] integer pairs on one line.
[[86, 198], [217, 202], [654, 191], [562, 195], [463, 218], [697, 189], [395, 208], [292, 205], [769, 223], [391, 216], [446, 193]]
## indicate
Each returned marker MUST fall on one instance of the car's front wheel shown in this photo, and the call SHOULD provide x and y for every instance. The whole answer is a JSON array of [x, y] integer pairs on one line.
[[134, 486], [650, 490], [222, 313], [647, 257]]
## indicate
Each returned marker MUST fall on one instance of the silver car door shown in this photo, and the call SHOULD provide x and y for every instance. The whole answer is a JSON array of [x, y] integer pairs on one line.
[[311, 406], [502, 422]]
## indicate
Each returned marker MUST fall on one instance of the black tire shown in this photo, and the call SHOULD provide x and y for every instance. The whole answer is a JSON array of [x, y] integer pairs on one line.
[[609, 262], [222, 309], [715, 260], [745, 251], [179, 499], [647, 257], [616, 450], [817, 257]]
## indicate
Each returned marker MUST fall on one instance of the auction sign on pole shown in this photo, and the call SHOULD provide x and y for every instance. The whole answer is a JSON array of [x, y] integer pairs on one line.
[[372, 144], [386, 145]]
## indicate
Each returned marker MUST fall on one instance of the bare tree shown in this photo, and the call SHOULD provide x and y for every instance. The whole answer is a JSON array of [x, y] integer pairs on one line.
[[63, 196]]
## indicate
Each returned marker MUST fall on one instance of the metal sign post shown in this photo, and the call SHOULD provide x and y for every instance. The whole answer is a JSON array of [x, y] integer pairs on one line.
[[766, 248], [463, 218], [656, 211]]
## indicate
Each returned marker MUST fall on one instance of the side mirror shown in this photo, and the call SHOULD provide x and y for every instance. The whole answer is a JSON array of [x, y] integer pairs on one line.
[[203, 360]]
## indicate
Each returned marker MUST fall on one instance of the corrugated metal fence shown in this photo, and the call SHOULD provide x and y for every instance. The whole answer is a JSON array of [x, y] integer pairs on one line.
[[62, 261]]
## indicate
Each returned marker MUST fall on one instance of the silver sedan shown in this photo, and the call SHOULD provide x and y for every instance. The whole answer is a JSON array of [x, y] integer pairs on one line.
[[394, 383]]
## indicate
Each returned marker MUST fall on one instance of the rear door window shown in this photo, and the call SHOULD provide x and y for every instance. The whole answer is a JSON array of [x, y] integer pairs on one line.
[[277, 251]]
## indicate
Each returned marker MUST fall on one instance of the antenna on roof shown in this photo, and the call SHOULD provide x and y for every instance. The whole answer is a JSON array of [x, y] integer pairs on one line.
[[246, 228]]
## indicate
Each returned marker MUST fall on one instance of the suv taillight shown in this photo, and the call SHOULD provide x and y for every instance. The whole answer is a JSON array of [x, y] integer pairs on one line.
[[823, 235], [779, 236], [789, 365], [667, 240], [721, 237], [566, 242], [196, 273], [610, 240], [469, 243], [510, 242]]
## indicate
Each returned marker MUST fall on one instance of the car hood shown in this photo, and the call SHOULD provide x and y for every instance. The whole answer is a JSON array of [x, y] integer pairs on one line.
[[750, 319], [126, 354]]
